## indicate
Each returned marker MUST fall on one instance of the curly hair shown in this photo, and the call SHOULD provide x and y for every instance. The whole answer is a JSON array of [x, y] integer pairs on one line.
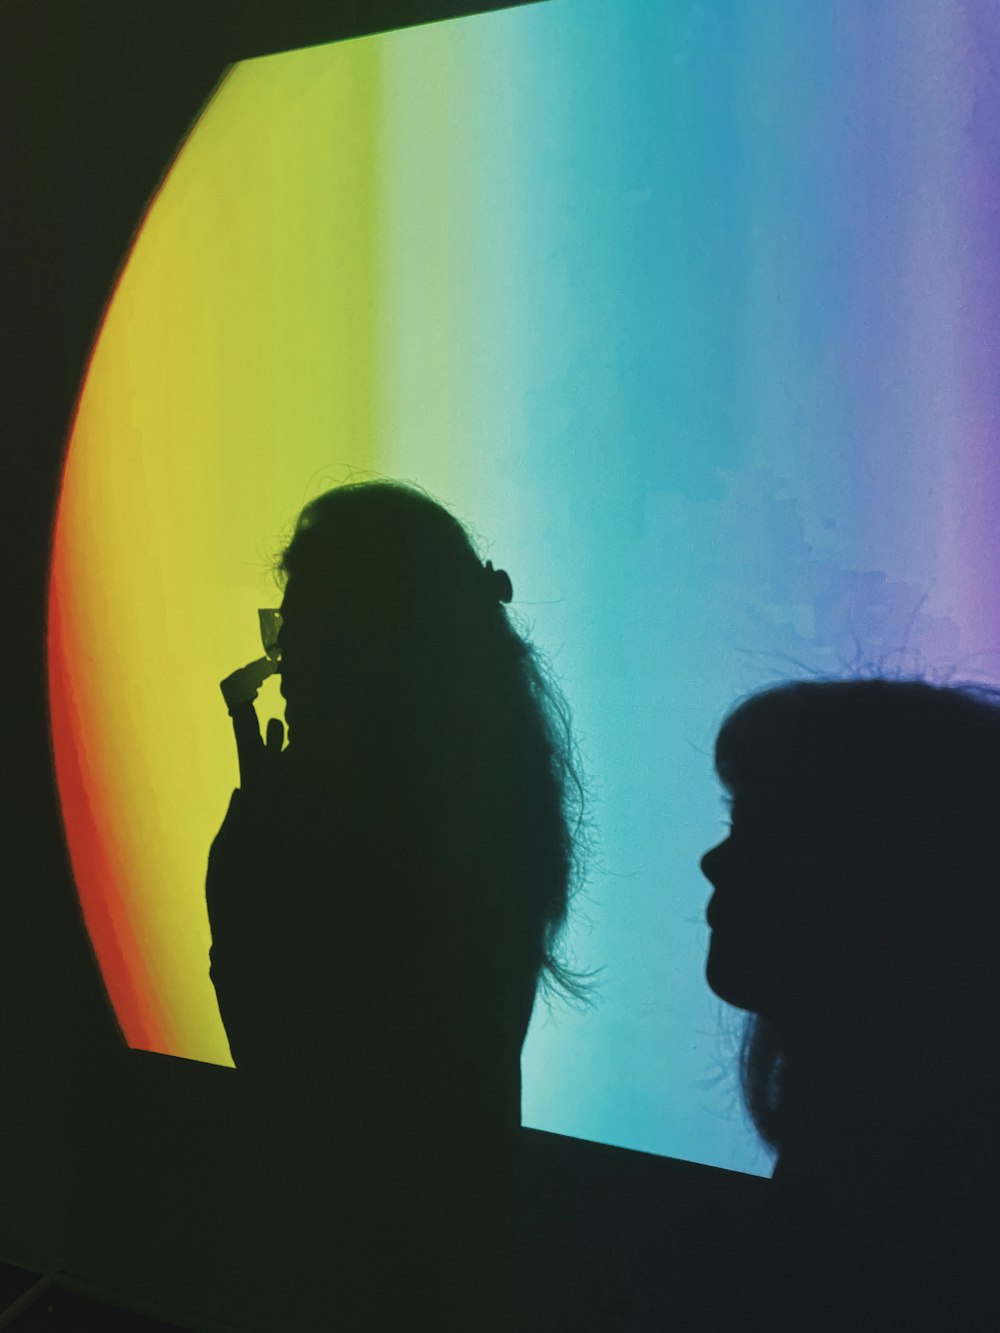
[[405, 678]]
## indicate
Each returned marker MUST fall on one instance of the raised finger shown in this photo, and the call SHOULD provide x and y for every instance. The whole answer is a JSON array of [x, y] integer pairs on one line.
[[275, 735]]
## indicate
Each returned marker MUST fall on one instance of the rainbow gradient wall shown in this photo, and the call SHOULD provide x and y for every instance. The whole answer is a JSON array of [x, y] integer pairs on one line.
[[691, 311]]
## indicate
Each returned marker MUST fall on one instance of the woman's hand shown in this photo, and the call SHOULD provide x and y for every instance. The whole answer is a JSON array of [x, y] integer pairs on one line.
[[259, 759], [241, 687]]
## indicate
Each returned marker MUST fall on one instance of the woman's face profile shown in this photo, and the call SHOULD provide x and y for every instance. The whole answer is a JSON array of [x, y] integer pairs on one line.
[[290, 651], [319, 656]]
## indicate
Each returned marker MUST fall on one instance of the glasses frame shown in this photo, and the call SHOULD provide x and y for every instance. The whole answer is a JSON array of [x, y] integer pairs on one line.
[[270, 631]]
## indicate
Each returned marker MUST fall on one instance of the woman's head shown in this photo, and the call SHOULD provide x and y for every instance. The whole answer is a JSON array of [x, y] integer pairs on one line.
[[382, 588], [854, 895], [405, 679]]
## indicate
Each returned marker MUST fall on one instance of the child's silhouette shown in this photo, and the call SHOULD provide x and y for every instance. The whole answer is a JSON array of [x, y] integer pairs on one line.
[[855, 917], [385, 894]]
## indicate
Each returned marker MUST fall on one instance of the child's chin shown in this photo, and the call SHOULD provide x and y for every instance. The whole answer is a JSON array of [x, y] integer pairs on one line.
[[725, 980]]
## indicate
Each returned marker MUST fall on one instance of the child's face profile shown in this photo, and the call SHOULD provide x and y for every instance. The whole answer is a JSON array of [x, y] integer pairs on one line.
[[758, 913]]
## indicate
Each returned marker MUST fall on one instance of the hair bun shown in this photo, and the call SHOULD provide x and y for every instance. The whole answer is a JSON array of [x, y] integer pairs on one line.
[[499, 581]]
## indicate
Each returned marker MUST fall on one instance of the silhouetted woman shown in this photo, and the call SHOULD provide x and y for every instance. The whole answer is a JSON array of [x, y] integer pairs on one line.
[[385, 895], [856, 917]]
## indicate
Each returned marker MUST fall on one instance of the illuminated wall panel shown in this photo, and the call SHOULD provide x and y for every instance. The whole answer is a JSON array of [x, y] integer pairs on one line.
[[689, 310]]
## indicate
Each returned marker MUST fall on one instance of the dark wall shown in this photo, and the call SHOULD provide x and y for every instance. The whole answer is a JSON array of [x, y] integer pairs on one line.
[[607, 1239]]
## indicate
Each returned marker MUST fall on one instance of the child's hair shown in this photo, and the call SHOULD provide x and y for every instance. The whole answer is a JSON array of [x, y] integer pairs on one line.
[[893, 786]]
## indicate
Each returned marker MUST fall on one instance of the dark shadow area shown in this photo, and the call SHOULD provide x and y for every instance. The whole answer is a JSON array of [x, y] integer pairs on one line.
[[62, 1310], [606, 1238], [609, 1238], [15, 1283], [855, 917]]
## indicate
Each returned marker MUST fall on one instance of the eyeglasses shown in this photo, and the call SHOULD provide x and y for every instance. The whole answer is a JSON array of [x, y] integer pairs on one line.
[[270, 630]]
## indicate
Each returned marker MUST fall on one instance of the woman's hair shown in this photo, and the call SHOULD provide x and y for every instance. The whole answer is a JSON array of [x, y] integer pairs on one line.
[[892, 794], [411, 684]]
